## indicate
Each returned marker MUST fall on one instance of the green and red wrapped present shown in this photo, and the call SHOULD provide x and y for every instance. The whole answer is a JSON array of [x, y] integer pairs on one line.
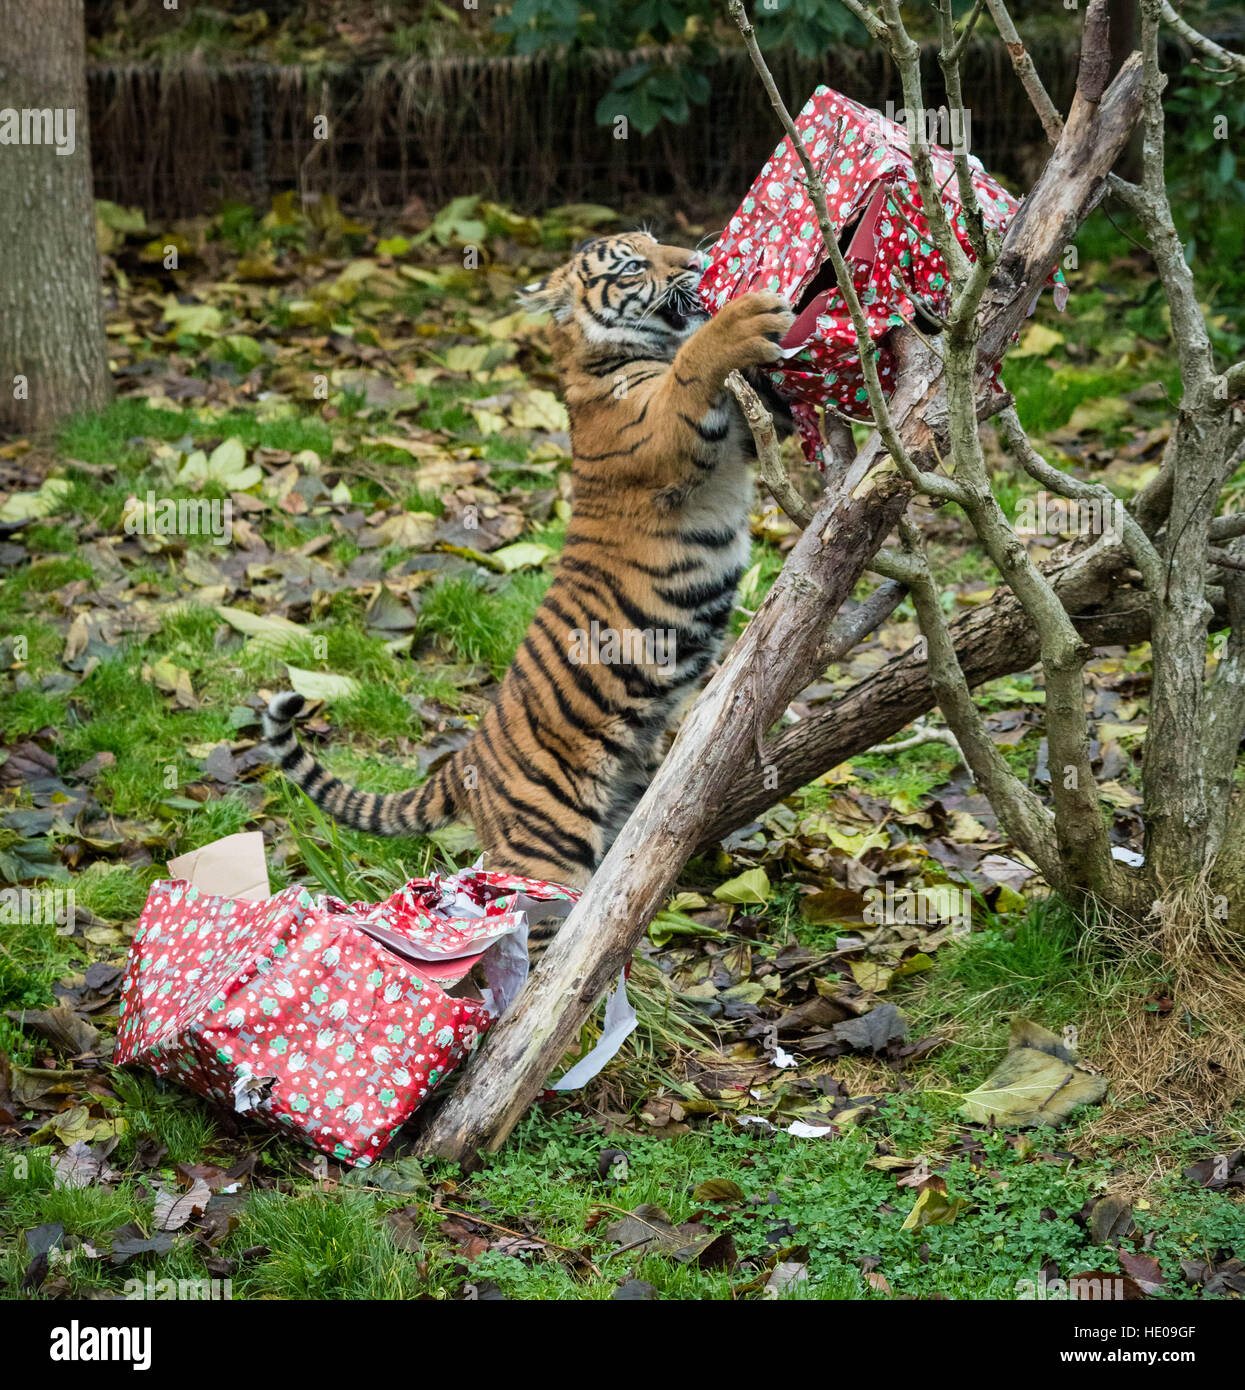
[[333, 1021], [773, 243]]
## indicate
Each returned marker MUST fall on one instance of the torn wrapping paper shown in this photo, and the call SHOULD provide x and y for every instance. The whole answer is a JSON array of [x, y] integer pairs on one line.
[[334, 1021], [619, 1023], [773, 243]]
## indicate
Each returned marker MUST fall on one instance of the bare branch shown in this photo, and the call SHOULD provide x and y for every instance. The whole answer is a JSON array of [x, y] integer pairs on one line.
[[907, 55], [985, 245], [1143, 553], [1208, 48], [955, 52], [1177, 809], [1095, 51], [1022, 814], [1052, 121], [930, 483], [991, 640], [769, 456], [1224, 723], [852, 628]]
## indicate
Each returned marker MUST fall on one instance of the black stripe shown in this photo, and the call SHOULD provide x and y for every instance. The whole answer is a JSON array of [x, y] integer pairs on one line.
[[714, 540], [709, 436], [699, 594], [542, 857], [527, 813], [613, 453], [533, 774], [568, 712], [583, 682]]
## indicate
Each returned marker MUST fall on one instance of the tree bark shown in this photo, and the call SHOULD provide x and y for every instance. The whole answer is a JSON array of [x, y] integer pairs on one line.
[[53, 353]]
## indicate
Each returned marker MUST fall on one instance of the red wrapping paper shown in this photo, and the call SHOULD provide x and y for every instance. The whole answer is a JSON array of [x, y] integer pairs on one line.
[[328, 1020], [773, 243]]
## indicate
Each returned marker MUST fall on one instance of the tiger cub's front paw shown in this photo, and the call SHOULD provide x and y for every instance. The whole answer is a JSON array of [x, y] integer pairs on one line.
[[747, 331]]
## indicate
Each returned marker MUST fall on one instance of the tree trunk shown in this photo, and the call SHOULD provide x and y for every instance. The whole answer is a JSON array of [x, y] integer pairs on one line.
[[53, 353]]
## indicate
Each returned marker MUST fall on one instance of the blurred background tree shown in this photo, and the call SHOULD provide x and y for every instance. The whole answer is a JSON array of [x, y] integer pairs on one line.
[[53, 353]]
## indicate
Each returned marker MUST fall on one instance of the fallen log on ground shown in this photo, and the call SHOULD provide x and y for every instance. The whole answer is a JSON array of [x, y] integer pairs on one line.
[[719, 745], [993, 640]]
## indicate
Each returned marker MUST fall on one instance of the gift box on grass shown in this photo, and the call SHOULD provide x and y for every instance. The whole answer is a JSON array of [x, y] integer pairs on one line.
[[334, 1021], [773, 243]]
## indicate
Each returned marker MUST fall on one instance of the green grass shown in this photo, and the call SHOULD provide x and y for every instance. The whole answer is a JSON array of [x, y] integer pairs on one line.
[[818, 1194], [1041, 965], [906, 776], [101, 437], [479, 623], [112, 891], [378, 712], [32, 958], [155, 1110]]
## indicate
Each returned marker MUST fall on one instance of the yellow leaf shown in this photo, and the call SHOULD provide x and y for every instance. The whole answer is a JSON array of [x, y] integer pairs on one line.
[[521, 555], [488, 421], [871, 975], [417, 448], [751, 887], [410, 530], [321, 685], [539, 410], [966, 828], [856, 845], [1037, 342], [174, 680], [933, 1208], [467, 357], [27, 506], [272, 629]]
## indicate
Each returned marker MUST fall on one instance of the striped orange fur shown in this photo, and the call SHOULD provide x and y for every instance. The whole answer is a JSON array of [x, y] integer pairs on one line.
[[638, 606]]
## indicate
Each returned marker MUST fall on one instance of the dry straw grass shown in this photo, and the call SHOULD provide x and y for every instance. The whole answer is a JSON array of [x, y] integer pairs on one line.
[[1184, 1067]]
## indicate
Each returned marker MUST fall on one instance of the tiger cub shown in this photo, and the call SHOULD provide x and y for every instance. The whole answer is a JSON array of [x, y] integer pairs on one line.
[[637, 609]]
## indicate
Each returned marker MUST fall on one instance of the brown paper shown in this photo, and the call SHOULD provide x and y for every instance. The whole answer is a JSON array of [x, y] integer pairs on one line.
[[234, 867]]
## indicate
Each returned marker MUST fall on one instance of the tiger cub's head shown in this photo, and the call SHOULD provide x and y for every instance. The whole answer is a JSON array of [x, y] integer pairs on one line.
[[629, 291]]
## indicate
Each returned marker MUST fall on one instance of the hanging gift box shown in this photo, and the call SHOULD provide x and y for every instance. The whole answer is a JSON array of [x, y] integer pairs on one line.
[[773, 243], [332, 1020]]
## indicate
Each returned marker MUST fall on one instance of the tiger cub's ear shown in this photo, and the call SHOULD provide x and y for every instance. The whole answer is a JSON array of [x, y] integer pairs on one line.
[[552, 295]]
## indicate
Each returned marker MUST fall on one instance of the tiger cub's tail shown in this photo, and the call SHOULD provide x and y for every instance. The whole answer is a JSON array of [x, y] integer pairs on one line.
[[397, 813]]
